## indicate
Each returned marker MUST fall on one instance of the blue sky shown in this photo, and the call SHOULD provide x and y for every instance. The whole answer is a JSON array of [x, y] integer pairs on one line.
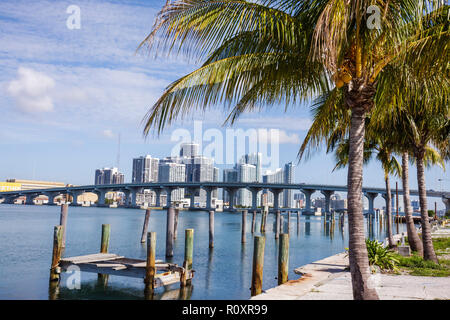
[[65, 95]]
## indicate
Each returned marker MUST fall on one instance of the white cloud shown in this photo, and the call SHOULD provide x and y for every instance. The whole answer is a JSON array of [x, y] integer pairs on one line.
[[32, 90], [275, 136], [108, 133], [289, 123]]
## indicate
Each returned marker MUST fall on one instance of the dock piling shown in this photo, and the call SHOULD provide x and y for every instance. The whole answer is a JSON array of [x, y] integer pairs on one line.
[[258, 265], [188, 254], [150, 268], [277, 225], [211, 229], [288, 222], [56, 255], [102, 279], [169, 231], [106, 230], [175, 224], [283, 258], [63, 222], [253, 221], [145, 226], [244, 225]]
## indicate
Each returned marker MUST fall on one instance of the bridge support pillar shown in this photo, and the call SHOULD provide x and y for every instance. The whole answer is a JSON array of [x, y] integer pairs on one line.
[[51, 199], [327, 194], [371, 197], [192, 192], [308, 193], [30, 198], [231, 195], [254, 192], [101, 197], [75, 198], [9, 200], [209, 191], [276, 198], [168, 197]]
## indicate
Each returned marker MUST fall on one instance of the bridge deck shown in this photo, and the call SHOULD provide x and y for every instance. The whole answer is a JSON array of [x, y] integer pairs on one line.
[[113, 264]]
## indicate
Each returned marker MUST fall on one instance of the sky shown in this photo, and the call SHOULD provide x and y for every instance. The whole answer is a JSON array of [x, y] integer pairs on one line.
[[66, 94]]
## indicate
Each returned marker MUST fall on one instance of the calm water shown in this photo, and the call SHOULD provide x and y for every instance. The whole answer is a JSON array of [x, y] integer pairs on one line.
[[26, 234]]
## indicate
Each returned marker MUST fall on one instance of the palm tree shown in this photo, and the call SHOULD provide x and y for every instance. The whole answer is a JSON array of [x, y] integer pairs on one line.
[[425, 127], [286, 51], [413, 238], [379, 144]]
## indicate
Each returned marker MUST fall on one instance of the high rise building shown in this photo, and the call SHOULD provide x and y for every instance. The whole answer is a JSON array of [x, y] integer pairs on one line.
[[229, 175], [145, 169], [197, 169], [173, 172], [109, 176], [189, 149], [276, 176], [246, 173], [288, 201]]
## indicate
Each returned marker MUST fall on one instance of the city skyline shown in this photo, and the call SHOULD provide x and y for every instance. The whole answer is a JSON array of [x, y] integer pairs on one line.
[[68, 94]]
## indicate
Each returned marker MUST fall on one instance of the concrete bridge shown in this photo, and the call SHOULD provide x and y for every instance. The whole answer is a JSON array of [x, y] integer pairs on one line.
[[132, 189]]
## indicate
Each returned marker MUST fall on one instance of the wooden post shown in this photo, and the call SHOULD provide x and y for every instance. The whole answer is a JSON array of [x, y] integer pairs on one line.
[[102, 279], [289, 222], [253, 221], [277, 225], [258, 265], [188, 254], [263, 212], [145, 226], [283, 258], [169, 231], [281, 223], [106, 230], [243, 225], [150, 268], [211, 229], [63, 222], [175, 224], [56, 255]]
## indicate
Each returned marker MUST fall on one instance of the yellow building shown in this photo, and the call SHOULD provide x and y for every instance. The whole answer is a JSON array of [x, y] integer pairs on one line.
[[10, 186], [35, 184]]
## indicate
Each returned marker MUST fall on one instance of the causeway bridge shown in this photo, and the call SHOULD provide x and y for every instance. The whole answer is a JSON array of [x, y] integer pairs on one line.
[[132, 189]]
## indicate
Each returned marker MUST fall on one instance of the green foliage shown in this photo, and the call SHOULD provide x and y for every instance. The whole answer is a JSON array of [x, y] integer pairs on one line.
[[381, 256], [431, 213], [441, 243], [417, 266]]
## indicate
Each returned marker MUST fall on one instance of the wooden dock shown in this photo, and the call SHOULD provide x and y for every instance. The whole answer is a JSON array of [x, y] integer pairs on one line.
[[113, 264]]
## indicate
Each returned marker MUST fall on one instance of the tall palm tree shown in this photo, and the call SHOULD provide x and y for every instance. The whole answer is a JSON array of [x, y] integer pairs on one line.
[[270, 52], [376, 143], [424, 128], [413, 238]]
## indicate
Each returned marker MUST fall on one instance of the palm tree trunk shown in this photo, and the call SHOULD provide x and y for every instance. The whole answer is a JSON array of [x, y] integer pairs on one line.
[[428, 250], [389, 211], [413, 237], [358, 257]]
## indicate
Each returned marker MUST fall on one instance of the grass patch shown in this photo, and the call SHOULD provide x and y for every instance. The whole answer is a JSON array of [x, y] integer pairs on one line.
[[417, 266], [440, 244]]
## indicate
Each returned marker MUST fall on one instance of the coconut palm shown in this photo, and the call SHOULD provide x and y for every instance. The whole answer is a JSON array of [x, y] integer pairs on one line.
[[270, 52], [426, 127], [413, 238], [376, 143]]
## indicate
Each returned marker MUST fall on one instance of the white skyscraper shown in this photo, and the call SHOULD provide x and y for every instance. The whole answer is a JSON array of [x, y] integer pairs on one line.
[[173, 172], [246, 173]]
